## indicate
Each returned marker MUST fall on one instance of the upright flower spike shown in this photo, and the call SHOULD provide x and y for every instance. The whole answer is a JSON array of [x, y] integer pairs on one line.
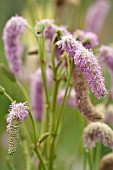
[[96, 132], [17, 114], [86, 62], [37, 92], [106, 55], [82, 97], [13, 29], [106, 163], [96, 15]]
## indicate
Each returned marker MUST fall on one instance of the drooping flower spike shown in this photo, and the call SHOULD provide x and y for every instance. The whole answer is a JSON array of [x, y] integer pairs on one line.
[[96, 132], [13, 29], [17, 114], [82, 97], [86, 62]]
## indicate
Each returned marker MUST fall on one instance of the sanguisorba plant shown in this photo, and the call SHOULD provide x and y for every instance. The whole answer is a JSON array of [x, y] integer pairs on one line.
[[67, 70]]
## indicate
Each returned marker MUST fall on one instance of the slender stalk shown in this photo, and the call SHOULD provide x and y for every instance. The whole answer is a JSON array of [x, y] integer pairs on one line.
[[90, 160], [43, 67], [8, 97], [51, 155], [84, 160], [40, 157], [98, 153], [28, 165], [56, 84], [23, 90]]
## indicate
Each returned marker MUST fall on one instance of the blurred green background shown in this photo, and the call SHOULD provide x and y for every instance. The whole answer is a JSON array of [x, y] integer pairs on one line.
[[69, 148]]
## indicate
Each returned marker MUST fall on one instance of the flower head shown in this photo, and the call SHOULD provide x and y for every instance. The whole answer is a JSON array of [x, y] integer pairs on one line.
[[87, 64], [12, 30], [17, 110], [17, 114], [95, 132]]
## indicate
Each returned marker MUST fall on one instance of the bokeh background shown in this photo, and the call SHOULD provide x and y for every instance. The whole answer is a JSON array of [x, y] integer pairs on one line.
[[71, 13]]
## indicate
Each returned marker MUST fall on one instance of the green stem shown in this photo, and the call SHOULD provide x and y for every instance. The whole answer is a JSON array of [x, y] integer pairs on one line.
[[28, 165], [51, 156], [90, 160], [98, 153], [34, 127], [40, 157], [23, 90], [84, 160], [43, 67], [45, 122], [8, 97]]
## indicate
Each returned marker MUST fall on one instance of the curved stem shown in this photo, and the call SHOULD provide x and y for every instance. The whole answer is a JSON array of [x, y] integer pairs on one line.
[[8, 97], [23, 90], [34, 127]]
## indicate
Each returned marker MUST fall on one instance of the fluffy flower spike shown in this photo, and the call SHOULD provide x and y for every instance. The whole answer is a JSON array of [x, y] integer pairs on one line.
[[13, 29], [18, 113], [82, 97], [19, 110], [86, 63], [96, 132]]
